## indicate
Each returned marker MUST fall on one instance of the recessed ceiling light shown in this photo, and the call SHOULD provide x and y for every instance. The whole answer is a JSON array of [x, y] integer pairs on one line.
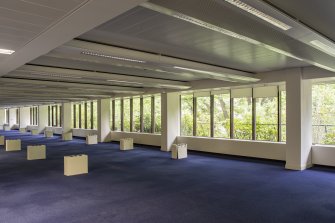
[[259, 14], [111, 57], [173, 86], [324, 47], [126, 82], [5, 51]]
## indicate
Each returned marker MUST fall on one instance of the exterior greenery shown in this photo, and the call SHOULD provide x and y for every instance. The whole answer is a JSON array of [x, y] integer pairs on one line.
[[264, 110], [139, 114], [84, 115], [323, 113]]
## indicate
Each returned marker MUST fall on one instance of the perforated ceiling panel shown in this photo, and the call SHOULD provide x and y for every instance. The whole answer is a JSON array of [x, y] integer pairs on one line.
[[21, 21], [147, 30]]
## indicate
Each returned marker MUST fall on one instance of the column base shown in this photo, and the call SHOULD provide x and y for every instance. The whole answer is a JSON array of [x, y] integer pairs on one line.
[[298, 166]]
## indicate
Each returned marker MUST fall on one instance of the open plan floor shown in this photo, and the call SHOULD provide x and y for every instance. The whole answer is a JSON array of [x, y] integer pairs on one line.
[[146, 185]]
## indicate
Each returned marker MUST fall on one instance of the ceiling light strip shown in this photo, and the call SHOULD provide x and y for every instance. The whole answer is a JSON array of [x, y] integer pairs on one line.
[[259, 14], [111, 57], [6, 51]]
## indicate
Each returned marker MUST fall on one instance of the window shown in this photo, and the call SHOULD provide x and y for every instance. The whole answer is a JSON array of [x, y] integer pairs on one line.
[[147, 114], [246, 113], [126, 114], [283, 115], [7, 116], [54, 115], [158, 117], [117, 113], [137, 114], [243, 118], [222, 115], [323, 112], [17, 114], [186, 113], [267, 119], [203, 116], [34, 116], [84, 115]]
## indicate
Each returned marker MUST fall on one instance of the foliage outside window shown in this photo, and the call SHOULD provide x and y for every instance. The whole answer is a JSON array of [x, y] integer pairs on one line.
[[323, 113], [137, 114], [117, 114], [126, 115], [243, 118], [33, 115], [203, 118], [267, 119], [84, 115], [283, 115], [147, 114], [186, 112], [222, 115], [158, 116], [54, 115]]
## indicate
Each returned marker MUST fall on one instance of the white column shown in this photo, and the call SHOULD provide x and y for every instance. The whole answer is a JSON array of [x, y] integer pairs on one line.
[[103, 120], [2, 117], [299, 121], [42, 118], [24, 117], [66, 117], [12, 117], [170, 120]]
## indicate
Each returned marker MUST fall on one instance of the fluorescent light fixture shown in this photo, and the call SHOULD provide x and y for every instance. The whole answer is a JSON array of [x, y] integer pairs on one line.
[[111, 57], [126, 82], [228, 77], [259, 14], [323, 47], [198, 22], [5, 51], [173, 86], [56, 75]]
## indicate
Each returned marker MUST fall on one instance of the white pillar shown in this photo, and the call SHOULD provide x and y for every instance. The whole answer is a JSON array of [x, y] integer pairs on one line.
[[24, 117], [42, 118], [299, 121], [103, 120], [12, 117], [66, 117], [170, 120], [2, 117]]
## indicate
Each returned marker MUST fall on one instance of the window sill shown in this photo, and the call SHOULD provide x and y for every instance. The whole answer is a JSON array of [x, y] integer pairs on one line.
[[235, 140]]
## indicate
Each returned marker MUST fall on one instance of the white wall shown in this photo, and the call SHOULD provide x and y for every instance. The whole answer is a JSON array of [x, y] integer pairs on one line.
[[42, 117], [139, 138], [84, 132], [323, 155], [103, 119], [12, 118], [24, 117], [266, 150]]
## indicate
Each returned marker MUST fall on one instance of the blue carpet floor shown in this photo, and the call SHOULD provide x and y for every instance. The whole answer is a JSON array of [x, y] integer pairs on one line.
[[145, 185]]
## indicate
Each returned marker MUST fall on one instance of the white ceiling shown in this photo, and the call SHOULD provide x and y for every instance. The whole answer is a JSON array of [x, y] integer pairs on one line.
[[165, 44]]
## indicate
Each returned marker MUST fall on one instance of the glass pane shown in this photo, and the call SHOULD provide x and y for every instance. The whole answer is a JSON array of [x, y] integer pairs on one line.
[[283, 115], [186, 111], [323, 112], [136, 114], [72, 116], [222, 115], [203, 116], [117, 115], [88, 115], [147, 114], [126, 115], [158, 115], [95, 115], [77, 116], [83, 115], [267, 119], [243, 118], [111, 115]]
